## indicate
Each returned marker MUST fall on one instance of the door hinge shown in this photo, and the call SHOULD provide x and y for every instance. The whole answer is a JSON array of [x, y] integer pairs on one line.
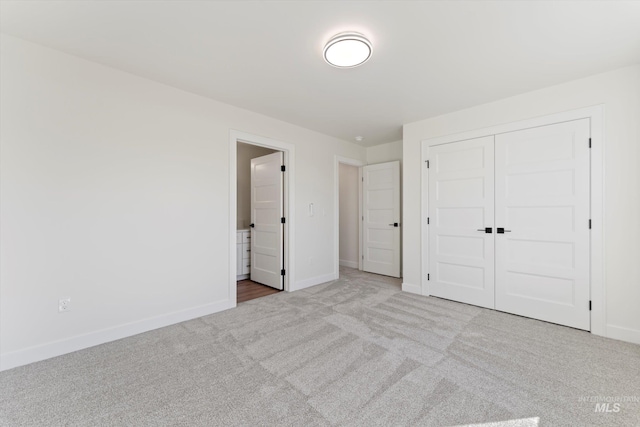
[[428, 276], [427, 220], [589, 305], [589, 224], [282, 220], [282, 272], [282, 168], [589, 142], [427, 163], [363, 217]]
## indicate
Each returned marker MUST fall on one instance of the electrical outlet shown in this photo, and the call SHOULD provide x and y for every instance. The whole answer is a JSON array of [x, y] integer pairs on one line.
[[64, 304]]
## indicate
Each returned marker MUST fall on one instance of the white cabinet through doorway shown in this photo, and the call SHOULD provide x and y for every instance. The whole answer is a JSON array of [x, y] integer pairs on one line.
[[243, 254]]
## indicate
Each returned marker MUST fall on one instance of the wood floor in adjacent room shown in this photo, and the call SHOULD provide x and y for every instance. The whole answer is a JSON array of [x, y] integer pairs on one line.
[[248, 290]]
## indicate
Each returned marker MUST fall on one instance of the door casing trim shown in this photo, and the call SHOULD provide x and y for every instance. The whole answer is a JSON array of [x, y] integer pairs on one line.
[[288, 151]]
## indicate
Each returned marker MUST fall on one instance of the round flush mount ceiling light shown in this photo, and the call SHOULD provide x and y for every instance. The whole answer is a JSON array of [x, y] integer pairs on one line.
[[346, 50]]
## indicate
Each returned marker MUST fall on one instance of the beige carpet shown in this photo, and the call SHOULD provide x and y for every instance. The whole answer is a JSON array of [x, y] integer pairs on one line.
[[354, 352]]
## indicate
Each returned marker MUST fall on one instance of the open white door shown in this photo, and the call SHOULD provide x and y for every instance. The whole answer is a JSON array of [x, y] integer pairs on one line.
[[542, 209], [461, 205], [381, 223], [266, 220]]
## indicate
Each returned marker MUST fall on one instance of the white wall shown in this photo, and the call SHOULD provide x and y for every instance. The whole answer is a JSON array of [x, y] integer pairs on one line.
[[115, 193], [619, 91], [245, 153], [384, 153], [349, 206]]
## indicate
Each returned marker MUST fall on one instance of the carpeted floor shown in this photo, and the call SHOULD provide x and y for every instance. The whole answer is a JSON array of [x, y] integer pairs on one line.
[[354, 352]]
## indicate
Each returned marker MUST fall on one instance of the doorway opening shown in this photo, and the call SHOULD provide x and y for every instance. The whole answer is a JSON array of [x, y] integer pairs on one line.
[[251, 161], [376, 193], [260, 224], [348, 214]]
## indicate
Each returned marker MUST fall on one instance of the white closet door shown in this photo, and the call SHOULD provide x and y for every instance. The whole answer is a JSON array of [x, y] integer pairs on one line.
[[381, 224], [542, 202], [266, 214], [461, 205]]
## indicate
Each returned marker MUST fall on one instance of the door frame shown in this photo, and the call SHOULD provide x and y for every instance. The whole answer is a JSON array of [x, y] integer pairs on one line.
[[288, 151], [596, 116], [336, 217]]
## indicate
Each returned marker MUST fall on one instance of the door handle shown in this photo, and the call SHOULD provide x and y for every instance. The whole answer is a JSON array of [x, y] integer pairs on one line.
[[486, 229], [501, 230], [251, 225], [395, 224]]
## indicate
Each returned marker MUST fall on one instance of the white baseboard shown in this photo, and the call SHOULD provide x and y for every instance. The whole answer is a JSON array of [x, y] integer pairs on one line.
[[307, 283], [413, 289], [351, 264], [623, 334], [79, 342]]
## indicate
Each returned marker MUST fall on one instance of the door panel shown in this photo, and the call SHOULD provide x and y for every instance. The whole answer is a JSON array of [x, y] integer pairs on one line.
[[381, 209], [266, 214], [542, 199], [461, 257]]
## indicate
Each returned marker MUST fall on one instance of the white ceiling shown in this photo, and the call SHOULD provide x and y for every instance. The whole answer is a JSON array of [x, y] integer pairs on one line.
[[429, 58]]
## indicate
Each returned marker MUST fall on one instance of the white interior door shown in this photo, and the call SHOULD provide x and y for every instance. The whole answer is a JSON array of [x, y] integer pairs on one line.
[[266, 225], [381, 223], [542, 203], [461, 209]]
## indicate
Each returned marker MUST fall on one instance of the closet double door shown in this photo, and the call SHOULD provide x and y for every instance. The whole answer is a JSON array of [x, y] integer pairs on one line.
[[509, 222]]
